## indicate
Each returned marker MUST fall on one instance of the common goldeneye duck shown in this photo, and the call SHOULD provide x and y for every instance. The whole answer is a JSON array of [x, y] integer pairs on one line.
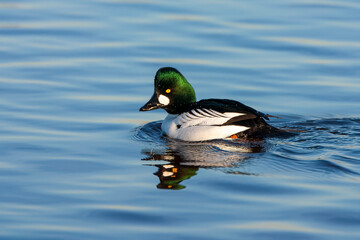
[[207, 119]]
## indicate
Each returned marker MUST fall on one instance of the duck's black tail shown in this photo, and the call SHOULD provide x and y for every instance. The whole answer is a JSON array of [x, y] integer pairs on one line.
[[259, 129]]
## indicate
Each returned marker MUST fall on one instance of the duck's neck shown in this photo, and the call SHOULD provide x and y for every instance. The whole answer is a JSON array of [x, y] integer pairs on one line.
[[178, 108]]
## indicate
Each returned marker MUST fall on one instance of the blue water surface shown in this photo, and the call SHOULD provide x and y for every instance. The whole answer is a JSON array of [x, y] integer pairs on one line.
[[78, 161]]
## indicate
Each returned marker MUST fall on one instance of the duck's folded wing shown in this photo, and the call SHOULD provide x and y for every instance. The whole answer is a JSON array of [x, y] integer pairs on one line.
[[210, 117], [226, 105]]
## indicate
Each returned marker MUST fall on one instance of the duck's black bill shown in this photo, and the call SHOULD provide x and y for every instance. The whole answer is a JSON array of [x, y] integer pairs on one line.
[[152, 104]]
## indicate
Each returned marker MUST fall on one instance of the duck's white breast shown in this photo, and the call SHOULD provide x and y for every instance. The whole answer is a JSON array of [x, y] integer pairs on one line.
[[168, 126]]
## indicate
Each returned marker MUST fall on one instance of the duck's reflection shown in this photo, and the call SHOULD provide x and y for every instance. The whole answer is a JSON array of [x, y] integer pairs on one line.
[[171, 175], [183, 159]]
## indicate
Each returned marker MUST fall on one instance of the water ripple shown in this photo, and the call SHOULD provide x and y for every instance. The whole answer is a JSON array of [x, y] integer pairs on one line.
[[298, 154]]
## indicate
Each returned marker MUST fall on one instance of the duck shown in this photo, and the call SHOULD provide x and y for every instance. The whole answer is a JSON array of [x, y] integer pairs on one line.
[[207, 119]]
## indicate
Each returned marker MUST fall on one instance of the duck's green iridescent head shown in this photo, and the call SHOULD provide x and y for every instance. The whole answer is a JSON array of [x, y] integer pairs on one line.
[[172, 92]]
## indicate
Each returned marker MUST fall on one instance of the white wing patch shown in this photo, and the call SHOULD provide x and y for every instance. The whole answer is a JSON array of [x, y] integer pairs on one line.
[[200, 125]]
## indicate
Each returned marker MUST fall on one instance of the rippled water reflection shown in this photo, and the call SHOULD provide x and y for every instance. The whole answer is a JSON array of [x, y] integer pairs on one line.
[[78, 159]]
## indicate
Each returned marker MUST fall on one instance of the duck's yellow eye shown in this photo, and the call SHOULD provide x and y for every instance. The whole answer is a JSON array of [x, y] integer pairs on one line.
[[168, 90]]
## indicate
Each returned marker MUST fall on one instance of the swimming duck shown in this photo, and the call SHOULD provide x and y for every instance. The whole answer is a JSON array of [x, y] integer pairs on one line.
[[206, 119]]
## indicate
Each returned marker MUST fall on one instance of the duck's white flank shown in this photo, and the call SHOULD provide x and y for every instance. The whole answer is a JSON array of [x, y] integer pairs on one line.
[[200, 125]]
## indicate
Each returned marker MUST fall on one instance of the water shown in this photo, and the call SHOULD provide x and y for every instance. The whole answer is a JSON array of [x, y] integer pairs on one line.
[[78, 161]]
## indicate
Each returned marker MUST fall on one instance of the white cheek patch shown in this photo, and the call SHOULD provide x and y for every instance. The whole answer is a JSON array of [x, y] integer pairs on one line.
[[163, 99]]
